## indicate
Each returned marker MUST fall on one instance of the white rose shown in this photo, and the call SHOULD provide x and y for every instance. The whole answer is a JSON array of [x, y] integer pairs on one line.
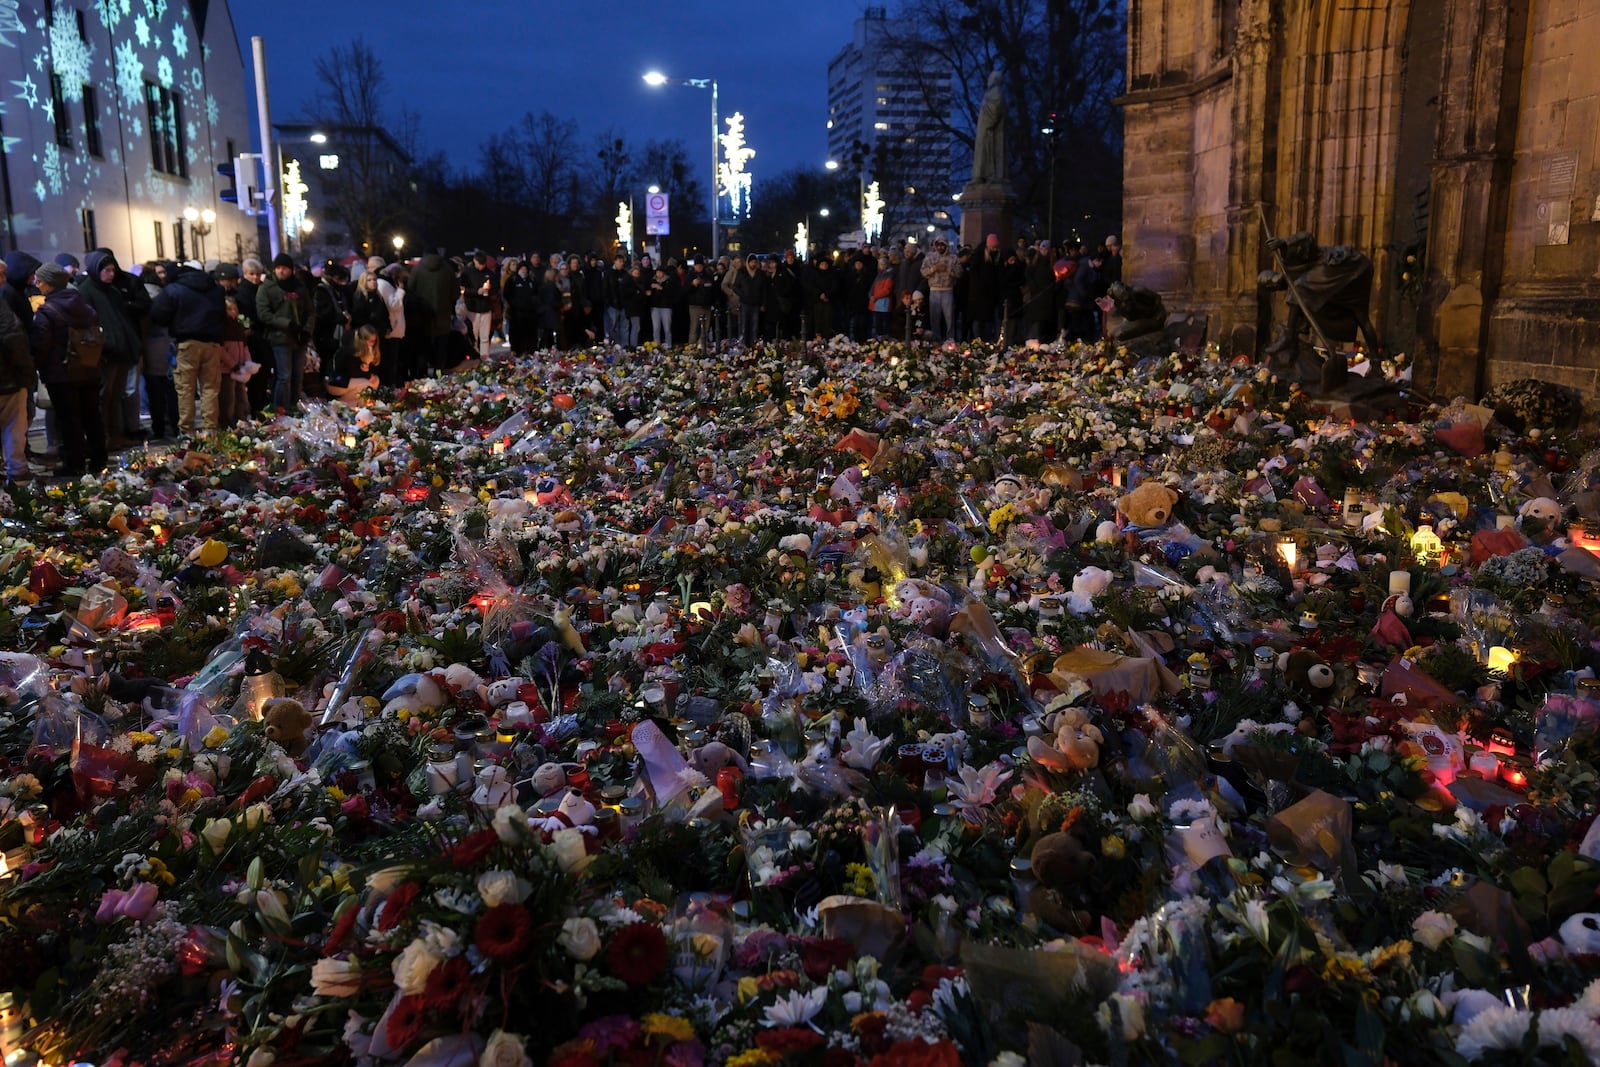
[[504, 1050], [1141, 807], [216, 834], [412, 967], [1431, 928], [502, 887], [510, 824], [580, 938], [335, 978]]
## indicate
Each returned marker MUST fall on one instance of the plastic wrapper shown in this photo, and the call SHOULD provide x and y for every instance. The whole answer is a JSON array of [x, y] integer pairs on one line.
[[880, 837], [25, 674], [102, 608], [917, 673], [351, 664], [1561, 717]]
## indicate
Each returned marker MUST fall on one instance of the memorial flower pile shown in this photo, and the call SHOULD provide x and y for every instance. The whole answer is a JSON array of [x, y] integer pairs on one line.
[[844, 705]]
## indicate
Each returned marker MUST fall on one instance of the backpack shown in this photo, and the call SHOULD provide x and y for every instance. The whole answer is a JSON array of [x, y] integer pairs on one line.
[[85, 345]]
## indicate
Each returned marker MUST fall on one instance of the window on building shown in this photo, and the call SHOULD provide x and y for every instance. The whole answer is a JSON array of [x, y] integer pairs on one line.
[[165, 114], [161, 241], [91, 123], [86, 220], [58, 107]]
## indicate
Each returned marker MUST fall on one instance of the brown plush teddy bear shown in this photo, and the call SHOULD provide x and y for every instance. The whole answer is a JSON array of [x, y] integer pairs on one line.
[[1305, 671], [1062, 865], [1077, 743], [1149, 505], [287, 722]]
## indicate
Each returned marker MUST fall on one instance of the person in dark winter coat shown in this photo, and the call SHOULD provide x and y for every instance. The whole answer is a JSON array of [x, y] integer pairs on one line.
[[822, 296], [286, 316], [19, 275], [1086, 286], [195, 309], [16, 378], [985, 282], [481, 289], [523, 309], [369, 308], [701, 291], [124, 351], [434, 283], [635, 305], [750, 289], [549, 309], [74, 389]]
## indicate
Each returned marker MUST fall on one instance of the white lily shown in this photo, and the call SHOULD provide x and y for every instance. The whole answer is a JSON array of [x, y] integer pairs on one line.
[[796, 1008], [976, 788], [863, 747]]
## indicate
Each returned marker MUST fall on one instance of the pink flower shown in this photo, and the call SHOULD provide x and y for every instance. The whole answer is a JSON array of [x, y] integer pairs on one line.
[[136, 903]]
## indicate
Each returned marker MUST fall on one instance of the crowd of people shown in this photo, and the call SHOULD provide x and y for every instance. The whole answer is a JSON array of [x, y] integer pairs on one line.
[[98, 345]]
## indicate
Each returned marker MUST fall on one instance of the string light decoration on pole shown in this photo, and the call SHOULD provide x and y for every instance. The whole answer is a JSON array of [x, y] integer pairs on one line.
[[732, 178], [872, 206], [624, 221], [294, 199], [655, 79]]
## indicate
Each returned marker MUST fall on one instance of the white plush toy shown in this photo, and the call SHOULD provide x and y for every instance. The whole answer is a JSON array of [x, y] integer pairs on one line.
[[1543, 508], [1086, 585], [411, 693], [504, 691], [1580, 935]]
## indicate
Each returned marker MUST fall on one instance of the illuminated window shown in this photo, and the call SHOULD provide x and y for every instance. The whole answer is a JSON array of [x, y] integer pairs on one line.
[[880, 125], [330, 162]]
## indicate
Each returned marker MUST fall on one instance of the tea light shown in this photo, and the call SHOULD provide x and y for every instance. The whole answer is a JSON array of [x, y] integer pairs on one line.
[[1501, 659], [1485, 764], [1513, 775], [349, 440], [1399, 583], [1289, 551]]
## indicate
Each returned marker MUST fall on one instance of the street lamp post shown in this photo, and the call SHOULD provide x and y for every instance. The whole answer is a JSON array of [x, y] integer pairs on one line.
[[200, 224], [399, 244], [656, 79]]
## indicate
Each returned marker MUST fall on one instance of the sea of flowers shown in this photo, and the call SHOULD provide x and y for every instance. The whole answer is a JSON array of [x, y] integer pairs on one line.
[[835, 704]]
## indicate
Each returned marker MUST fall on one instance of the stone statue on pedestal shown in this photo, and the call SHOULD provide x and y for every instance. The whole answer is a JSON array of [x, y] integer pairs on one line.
[[989, 139], [987, 202]]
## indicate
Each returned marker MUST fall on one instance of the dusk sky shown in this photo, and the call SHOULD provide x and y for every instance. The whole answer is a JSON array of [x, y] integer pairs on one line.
[[473, 68]]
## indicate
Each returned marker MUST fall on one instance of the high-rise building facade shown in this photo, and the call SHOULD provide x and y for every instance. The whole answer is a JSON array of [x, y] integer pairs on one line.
[[887, 115]]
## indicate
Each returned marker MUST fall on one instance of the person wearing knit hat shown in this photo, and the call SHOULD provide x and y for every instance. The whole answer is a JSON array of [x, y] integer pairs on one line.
[[67, 262], [52, 274], [283, 259], [284, 310]]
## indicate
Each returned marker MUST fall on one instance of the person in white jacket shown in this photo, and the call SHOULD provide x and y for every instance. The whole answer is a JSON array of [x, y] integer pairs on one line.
[[394, 296]]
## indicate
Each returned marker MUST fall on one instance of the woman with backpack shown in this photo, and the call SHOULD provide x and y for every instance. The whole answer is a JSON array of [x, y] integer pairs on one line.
[[67, 346]]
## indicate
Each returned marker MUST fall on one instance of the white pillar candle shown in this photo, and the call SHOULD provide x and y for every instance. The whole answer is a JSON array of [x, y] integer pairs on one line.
[[1399, 583]]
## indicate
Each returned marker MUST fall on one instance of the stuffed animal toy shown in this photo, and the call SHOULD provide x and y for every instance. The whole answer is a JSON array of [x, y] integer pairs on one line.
[[1148, 506], [411, 693], [1076, 744], [1541, 508], [1086, 585], [1580, 935], [287, 722], [712, 756], [1062, 865], [1305, 671]]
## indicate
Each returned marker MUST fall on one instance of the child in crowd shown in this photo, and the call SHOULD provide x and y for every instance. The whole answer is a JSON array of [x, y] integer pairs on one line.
[[234, 400]]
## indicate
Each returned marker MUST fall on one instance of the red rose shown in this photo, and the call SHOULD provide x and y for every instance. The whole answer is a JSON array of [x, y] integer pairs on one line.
[[405, 1022], [396, 906], [341, 931], [788, 1039], [471, 849], [915, 1052], [821, 956], [638, 953]]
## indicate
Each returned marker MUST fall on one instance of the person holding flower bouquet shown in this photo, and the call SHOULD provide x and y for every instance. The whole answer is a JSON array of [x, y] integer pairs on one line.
[[285, 309]]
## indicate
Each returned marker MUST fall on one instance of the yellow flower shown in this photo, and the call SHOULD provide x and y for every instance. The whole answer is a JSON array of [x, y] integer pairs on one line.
[[142, 737], [670, 1027], [755, 1057], [1345, 966], [749, 989], [215, 736], [858, 879], [336, 793], [1113, 847]]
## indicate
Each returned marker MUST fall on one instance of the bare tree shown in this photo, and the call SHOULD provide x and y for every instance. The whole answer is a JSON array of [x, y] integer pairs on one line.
[[1061, 62], [371, 190], [533, 164]]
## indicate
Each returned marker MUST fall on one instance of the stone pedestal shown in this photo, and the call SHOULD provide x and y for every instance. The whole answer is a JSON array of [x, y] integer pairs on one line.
[[986, 208]]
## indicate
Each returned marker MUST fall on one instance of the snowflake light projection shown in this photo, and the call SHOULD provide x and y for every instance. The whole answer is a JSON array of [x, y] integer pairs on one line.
[[213, 112], [164, 72], [733, 181], [180, 41], [141, 30], [70, 54], [51, 165], [130, 74], [30, 92], [110, 12]]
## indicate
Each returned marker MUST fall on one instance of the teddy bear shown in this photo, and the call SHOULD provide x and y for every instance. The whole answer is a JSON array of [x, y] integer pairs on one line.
[[287, 723], [712, 756], [1086, 585], [1061, 865], [1149, 506], [1305, 671], [1076, 745], [1542, 511]]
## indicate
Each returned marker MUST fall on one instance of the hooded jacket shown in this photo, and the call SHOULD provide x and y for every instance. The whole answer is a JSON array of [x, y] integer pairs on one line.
[[110, 303], [16, 353], [19, 268], [434, 283], [62, 309], [284, 308], [192, 306]]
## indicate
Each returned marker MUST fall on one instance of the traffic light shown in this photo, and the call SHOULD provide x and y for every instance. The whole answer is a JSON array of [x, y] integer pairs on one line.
[[245, 171]]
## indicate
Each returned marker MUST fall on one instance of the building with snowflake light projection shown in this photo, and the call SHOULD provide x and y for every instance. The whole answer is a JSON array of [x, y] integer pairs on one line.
[[115, 115]]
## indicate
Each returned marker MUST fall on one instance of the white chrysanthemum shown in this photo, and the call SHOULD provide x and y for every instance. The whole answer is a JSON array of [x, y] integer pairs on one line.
[[1559, 1024], [1494, 1029]]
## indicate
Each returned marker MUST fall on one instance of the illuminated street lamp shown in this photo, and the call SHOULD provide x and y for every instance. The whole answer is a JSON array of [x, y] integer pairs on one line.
[[655, 79], [200, 224], [319, 138], [399, 243]]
